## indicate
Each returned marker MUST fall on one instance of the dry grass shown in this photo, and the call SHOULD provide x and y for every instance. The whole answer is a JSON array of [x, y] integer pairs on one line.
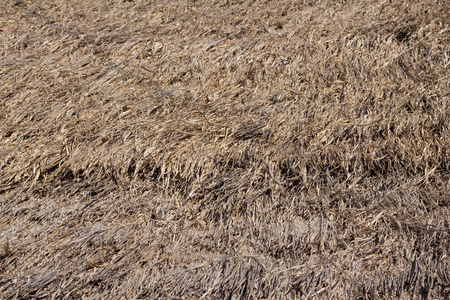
[[224, 149]]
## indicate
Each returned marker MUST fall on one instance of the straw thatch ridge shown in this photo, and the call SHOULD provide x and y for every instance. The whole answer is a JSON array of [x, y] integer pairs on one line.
[[224, 149]]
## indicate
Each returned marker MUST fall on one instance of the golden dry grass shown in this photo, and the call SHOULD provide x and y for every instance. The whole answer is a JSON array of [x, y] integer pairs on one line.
[[224, 149]]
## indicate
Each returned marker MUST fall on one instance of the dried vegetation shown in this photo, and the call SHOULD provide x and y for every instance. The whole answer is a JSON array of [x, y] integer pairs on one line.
[[224, 149]]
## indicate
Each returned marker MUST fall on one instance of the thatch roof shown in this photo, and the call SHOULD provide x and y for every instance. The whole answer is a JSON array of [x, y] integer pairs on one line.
[[224, 149]]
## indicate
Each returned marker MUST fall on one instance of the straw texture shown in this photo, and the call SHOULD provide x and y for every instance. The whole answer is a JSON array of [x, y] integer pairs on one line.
[[224, 149]]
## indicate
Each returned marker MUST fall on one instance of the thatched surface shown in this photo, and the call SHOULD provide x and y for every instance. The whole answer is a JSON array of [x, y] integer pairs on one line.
[[224, 149]]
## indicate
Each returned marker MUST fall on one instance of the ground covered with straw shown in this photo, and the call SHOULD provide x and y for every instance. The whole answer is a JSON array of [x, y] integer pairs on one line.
[[224, 149]]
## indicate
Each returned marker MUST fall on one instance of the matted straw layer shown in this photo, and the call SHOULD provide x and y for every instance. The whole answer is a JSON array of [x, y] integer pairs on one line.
[[224, 149]]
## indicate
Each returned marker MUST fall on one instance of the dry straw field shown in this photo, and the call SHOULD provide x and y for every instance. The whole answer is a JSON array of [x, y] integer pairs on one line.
[[229, 149]]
